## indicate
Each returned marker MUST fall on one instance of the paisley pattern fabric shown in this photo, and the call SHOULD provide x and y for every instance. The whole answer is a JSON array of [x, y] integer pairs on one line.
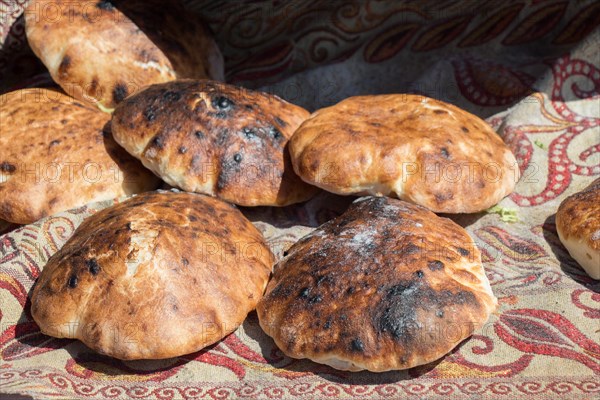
[[531, 68]]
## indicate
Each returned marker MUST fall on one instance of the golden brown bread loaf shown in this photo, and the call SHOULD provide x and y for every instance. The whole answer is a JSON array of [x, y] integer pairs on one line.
[[411, 147], [59, 154], [213, 138], [160, 275], [578, 227], [102, 51], [387, 285]]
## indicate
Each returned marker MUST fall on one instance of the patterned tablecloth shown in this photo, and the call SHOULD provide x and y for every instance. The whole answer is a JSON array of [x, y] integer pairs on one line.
[[531, 68]]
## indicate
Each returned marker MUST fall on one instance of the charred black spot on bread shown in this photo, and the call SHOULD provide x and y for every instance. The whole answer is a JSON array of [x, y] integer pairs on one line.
[[185, 261], [398, 317], [7, 167], [157, 141], [439, 313], [119, 92], [357, 345], [465, 129], [222, 137], [275, 133], [93, 266], [222, 103], [282, 291], [410, 249], [315, 299], [105, 5], [64, 66], [199, 134], [150, 114], [228, 170], [237, 157], [435, 265], [445, 152], [73, 281], [463, 251], [405, 299], [171, 96], [249, 132], [304, 293], [192, 218], [182, 150], [419, 274]]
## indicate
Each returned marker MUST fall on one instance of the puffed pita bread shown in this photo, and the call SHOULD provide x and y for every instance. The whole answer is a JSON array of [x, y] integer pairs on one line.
[[160, 275], [578, 227], [387, 285], [58, 154], [102, 51], [217, 139], [412, 147]]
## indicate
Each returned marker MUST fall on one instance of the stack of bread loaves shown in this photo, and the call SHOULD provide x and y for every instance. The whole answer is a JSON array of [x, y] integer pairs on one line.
[[376, 288]]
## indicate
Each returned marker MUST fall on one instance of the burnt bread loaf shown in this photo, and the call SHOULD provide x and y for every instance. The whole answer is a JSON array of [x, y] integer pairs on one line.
[[58, 154], [217, 139], [159, 275], [102, 51], [578, 227], [387, 285], [412, 147]]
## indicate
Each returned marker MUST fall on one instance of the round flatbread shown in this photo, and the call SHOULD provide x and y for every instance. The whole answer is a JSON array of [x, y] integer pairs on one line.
[[213, 138], [578, 227], [387, 285], [160, 275], [59, 154], [412, 147], [102, 51]]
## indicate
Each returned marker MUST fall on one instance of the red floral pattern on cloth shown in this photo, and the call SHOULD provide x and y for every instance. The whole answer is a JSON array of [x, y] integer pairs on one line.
[[543, 341]]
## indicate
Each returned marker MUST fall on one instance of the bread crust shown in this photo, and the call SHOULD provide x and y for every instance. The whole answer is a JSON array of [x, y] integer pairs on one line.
[[387, 285], [412, 147], [59, 154], [213, 138], [159, 275], [578, 227], [103, 51]]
